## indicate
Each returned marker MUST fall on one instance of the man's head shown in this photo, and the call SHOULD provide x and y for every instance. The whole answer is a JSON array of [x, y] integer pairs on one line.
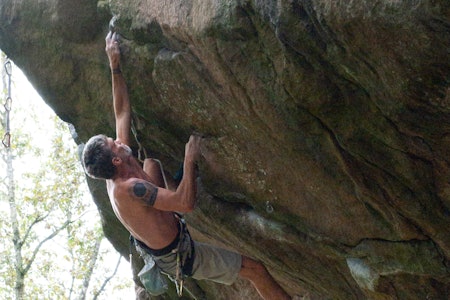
[[98, 157]]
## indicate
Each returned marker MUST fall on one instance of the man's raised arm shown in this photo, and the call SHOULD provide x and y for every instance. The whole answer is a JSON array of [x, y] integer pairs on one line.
[[122, 108]]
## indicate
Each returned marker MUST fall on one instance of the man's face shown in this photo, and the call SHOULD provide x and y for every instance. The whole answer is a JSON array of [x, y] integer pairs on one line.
[[127, 149], [119, 148]]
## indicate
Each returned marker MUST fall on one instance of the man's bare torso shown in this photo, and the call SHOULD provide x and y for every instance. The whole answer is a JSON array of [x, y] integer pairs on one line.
[[156, 228]]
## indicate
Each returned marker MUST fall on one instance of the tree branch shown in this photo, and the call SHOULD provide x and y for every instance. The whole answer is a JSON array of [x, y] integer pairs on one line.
[[38, 247], [102, 288], [3, 181], [37, 220], [90, 268]]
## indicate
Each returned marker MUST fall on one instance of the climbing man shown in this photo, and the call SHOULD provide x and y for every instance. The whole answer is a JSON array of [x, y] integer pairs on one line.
[[146, 208]]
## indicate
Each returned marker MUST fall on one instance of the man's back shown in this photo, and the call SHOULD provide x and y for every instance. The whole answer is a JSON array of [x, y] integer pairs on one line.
[[156, 228]]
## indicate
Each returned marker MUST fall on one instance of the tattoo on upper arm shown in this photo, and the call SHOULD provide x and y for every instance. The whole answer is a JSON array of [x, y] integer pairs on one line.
[[144, 191]]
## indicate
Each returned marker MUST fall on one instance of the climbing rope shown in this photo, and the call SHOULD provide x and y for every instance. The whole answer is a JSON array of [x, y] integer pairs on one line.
[[142, 153], [7, 105]]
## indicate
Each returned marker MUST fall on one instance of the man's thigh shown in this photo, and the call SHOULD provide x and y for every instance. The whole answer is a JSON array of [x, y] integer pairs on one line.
[[216, 264]]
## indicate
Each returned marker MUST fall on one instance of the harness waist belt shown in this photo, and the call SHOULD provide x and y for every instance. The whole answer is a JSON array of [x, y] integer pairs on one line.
[[165, 250]]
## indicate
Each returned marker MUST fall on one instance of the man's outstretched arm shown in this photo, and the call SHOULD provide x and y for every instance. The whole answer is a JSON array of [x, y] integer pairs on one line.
[[122, 107]]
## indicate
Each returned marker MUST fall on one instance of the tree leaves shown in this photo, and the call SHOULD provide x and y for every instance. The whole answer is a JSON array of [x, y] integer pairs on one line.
[[50, 230]]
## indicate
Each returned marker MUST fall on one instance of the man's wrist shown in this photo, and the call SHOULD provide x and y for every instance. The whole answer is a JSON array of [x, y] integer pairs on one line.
[[190, 163]]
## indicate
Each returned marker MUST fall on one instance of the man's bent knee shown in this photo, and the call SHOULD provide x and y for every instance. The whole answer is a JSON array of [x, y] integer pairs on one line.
[[251, 268], [153, 169]]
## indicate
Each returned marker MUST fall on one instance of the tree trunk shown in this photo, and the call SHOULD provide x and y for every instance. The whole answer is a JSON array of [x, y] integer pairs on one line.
[[92, 261], [18, 261]]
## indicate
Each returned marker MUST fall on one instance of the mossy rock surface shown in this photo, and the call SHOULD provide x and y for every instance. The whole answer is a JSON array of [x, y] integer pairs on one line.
[[327, 126]]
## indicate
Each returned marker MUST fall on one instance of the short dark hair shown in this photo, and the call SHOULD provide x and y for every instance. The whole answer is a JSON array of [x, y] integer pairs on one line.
[[97, 158]]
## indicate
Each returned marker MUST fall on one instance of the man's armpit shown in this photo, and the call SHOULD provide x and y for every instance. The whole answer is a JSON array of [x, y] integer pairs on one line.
[[144, 191]]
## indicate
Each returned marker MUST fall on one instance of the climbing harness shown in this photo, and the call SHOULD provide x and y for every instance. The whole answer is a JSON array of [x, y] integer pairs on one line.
[[179, 280], [150, 275], [179, 275], [184, 258], [7, 105]]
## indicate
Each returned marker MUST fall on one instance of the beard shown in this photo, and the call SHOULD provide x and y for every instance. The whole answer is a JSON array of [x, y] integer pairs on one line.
[[127, 149]]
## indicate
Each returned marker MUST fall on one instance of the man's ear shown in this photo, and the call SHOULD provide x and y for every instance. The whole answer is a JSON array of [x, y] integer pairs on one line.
[[116, 160]]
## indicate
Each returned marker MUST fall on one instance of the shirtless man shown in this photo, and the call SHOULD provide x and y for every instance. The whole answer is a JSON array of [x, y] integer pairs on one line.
[[147, 209]]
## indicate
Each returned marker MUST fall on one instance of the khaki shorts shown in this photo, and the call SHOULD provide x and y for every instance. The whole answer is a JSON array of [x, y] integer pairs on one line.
[[210, 262]]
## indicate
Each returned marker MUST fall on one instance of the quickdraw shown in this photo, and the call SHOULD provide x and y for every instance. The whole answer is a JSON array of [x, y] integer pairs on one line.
[[179, 275], [7, 105]]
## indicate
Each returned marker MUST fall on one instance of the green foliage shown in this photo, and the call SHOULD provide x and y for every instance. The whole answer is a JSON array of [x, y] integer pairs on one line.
[[58, 235]]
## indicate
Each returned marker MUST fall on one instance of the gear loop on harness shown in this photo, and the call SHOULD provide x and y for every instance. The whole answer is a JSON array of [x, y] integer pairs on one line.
[[180, 260]]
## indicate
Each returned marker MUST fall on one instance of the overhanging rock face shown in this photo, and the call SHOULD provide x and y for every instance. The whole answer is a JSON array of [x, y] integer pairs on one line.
[[327, 125]]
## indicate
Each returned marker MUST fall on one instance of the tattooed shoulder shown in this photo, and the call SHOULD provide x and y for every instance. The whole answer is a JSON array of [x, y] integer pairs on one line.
[[144, 191]]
